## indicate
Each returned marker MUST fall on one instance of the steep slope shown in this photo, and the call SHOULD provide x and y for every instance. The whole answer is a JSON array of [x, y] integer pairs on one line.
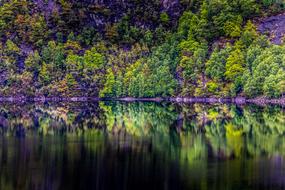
[[138, 48]]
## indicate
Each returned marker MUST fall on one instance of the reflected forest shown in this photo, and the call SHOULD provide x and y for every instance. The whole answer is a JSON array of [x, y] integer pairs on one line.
[[138, 145]]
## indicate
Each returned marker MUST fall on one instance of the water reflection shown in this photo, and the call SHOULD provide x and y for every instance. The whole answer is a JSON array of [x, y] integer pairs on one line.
[[111, 145]]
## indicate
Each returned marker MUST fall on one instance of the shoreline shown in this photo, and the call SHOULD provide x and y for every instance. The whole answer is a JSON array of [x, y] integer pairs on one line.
[[236, 100]]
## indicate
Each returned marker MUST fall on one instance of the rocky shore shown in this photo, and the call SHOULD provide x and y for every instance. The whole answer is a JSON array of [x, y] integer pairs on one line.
[[237, 100], [280, 101]]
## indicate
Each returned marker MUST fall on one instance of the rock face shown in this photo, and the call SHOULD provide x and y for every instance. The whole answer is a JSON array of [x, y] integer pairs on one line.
[[145, 13], [117, 8], [273, 26], [165, 4]]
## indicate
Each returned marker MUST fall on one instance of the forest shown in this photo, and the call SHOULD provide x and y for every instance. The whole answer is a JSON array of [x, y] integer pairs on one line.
[[190, 48]]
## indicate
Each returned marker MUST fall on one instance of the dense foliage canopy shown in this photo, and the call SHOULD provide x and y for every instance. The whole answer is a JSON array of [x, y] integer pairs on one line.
[[204, 48]]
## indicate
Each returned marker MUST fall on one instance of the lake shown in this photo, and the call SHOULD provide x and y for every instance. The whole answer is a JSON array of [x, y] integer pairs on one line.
[[120, 145]]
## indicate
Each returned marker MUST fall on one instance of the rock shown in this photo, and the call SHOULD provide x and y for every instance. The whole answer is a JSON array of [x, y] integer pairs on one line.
[[239, 100], [273, 26]]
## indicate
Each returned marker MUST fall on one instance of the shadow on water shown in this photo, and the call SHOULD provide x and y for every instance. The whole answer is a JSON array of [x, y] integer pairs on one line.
[[112, 145]]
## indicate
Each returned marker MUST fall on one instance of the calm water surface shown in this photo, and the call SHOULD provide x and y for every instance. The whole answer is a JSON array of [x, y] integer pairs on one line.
[[110, 145]]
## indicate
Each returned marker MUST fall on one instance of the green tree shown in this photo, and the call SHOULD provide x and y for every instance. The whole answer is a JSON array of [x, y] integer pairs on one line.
[[33, 62], [44, 74], [235, 65], [108, 89], [92, 59], [216, 65], [70, 80], [233, 28]]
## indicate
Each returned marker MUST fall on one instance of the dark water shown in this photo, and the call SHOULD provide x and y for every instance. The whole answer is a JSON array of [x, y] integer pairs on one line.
[[141, 146]]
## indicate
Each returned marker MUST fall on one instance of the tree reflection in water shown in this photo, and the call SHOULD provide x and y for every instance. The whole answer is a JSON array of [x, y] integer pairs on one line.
[[141, 145]]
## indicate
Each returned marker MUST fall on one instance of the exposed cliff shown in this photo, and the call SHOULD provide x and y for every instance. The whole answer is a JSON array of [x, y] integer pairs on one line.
[[274, 27], [144, 13]]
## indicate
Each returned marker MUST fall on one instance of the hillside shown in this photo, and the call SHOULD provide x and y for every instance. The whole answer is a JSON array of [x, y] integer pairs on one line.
[[136, 48]]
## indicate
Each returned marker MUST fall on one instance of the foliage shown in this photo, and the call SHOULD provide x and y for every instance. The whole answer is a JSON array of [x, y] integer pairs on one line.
[[139, 49]]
